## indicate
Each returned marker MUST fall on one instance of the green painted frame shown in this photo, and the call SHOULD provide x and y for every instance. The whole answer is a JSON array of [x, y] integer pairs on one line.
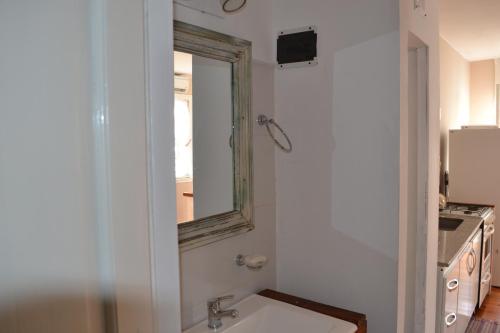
[[210, 44]]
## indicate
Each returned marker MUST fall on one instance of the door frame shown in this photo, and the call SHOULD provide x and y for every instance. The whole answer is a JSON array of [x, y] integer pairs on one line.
[[417, 251], [164, 248]]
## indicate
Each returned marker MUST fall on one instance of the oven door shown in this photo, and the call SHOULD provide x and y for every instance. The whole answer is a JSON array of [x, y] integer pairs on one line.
[[485, 287], [485, 284]]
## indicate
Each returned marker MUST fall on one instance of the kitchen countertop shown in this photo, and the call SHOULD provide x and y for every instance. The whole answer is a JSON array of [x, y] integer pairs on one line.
[[451, 243]]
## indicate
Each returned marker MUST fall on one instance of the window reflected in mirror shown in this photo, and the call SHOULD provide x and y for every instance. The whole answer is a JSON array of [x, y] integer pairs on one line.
[[204, 157]]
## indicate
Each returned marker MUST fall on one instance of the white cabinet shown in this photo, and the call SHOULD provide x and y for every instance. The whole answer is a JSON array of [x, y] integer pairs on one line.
[[451, 300], [458, 289], [447, 299]]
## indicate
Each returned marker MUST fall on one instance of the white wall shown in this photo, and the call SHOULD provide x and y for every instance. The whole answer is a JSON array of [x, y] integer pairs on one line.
[[337, 192], [48, 240], [73, 174], [210, 271], [482, 93], [455, 74], [468, 94]]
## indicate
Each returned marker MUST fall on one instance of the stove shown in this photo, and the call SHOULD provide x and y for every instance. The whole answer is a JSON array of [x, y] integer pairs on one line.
[[466, 209], [487, 213]]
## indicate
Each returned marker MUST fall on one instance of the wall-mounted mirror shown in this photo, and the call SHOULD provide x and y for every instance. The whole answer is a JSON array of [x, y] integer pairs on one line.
[[212, 135]]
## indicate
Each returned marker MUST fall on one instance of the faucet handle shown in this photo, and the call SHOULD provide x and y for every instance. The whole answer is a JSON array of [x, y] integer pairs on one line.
[[225, 298], [221, 299], [215, 302]]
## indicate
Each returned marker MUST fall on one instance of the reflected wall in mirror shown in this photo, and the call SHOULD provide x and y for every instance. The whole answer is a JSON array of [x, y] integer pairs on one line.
[[204, 159], [212, 135]]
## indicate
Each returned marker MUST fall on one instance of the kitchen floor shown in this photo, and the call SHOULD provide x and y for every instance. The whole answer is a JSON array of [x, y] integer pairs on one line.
[[490, 310]]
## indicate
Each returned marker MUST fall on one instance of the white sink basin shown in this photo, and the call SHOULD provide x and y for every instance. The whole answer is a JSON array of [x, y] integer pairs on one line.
[[260, 314]]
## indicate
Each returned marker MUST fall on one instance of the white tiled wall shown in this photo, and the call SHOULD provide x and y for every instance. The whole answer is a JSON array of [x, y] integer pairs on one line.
[[210, 271]]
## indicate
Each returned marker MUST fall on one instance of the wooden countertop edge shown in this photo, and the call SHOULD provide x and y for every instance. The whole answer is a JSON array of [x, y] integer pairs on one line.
[[357, 319]]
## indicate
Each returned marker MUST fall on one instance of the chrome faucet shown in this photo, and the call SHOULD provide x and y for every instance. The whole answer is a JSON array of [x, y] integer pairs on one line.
[[215, 313]]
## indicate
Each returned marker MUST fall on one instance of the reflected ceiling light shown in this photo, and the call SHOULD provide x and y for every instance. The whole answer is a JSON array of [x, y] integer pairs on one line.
[[231, 6]]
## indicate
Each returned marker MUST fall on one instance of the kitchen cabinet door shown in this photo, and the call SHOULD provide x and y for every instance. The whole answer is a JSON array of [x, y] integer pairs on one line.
[[452, 284]]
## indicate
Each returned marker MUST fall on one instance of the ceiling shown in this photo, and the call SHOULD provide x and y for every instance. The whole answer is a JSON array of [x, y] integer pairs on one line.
[[472, 27]]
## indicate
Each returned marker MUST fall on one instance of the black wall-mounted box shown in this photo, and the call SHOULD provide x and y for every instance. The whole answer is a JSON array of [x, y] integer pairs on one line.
[[297, 47]]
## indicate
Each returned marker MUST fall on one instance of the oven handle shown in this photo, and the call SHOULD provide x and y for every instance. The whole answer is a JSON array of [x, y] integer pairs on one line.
[[450, 319], [452, 285], [487, 278], [474, 257], [471, 266]]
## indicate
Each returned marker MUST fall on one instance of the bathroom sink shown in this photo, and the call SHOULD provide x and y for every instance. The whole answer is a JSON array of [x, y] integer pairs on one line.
[[260, 314], [449, 224]]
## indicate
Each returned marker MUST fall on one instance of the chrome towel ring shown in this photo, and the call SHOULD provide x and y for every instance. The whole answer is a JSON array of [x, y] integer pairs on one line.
[[262, 120]]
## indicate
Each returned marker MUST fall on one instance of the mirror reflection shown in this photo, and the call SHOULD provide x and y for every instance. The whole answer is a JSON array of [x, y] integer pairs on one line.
[[204, 157]]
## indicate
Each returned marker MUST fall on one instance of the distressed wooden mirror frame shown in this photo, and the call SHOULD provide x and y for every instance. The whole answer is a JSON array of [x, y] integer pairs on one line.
[[206, 43]]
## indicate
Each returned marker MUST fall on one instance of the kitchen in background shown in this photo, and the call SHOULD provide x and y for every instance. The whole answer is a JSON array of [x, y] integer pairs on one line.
[[468, 252]]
